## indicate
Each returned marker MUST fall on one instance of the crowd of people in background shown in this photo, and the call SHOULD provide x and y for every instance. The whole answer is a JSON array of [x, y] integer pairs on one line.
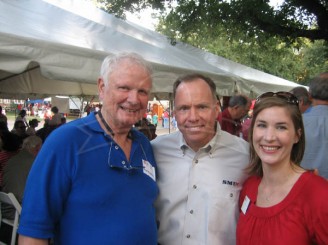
[[232, 175]]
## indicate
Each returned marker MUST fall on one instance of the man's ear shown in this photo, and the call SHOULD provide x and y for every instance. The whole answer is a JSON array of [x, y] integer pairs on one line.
[[101, 88], [217, 108]]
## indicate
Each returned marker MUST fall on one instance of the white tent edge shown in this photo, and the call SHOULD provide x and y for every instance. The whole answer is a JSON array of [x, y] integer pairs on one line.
[[35, 63]]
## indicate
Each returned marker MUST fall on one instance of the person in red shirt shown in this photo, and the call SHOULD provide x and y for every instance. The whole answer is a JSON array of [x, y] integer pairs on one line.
[[230, 118], [281, 203]]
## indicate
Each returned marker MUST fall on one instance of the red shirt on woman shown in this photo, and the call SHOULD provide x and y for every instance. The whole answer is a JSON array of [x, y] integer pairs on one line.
[[301, 218]]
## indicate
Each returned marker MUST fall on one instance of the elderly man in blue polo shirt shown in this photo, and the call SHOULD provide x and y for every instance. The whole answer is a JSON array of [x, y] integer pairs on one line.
[[93, 181]]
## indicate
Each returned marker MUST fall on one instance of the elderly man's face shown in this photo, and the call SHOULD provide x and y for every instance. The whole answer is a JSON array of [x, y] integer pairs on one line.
[[125, 98]]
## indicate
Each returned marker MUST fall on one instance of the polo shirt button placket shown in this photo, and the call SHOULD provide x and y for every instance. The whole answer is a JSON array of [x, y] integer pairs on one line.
[[124, 164]]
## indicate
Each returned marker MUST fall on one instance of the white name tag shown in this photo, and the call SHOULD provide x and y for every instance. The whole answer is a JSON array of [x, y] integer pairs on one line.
[[149, 169], [245, 205]]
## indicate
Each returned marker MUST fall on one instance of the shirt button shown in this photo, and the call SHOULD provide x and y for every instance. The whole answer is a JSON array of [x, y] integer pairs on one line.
[[191, 211], [231, 194], [194, 186], [196, 161], [188, 236], [123, 162], [116, 147]]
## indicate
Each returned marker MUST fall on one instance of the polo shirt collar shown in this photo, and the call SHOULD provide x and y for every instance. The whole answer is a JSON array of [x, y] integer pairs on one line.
[[92, 122]]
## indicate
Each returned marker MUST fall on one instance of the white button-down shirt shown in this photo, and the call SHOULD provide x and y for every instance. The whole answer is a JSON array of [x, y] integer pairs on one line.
[[199, 191]]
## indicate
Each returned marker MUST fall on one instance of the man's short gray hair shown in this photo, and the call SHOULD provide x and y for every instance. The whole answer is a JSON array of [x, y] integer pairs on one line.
[[112, 61], [318, 87], [301, 94], [238, 100]]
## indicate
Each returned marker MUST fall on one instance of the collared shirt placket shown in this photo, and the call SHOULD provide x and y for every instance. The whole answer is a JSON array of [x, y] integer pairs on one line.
[[195, 203]]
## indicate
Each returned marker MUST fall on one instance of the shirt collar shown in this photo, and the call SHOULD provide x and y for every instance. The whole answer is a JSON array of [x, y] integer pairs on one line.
[[92, 122]]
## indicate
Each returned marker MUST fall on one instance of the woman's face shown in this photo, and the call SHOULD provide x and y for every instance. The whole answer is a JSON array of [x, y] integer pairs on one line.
[[274, 136]]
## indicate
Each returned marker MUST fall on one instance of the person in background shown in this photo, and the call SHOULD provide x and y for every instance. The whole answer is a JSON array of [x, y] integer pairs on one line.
[[303, 96], [45, 131], [63, 120], [89, 107], [247, 121], [147, 128], [56, 117], [316, 127], [200, 170], [281, 203], [155, 119], [149, 117], [20, 130], [11, 144], [34, 123], [3, 117], [16, 171], [93, 182], [165, 119], [230, 118], [173, 123], [22, 117], [3, 128]]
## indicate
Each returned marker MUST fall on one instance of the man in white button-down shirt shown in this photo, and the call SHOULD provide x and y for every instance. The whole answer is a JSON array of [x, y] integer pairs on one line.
[[200, 170]]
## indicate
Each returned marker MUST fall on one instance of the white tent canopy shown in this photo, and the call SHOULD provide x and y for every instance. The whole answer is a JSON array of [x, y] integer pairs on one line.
[[49, 48]]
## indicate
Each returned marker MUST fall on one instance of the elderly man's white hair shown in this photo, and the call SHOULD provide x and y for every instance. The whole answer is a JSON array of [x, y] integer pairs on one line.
[[111, 62]]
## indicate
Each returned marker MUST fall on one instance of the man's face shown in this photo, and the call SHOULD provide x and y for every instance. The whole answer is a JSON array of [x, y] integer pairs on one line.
[[242, 111], [196, 111], [125, 97]]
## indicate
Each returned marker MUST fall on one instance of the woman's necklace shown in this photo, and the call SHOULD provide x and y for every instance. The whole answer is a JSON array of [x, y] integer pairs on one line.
[[269, 194], [268, 197]]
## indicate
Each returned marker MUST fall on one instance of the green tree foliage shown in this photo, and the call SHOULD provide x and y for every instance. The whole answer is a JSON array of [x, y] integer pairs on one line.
[[292, 19], [296, 61], [119, 7], [315, 60], [281, 41]]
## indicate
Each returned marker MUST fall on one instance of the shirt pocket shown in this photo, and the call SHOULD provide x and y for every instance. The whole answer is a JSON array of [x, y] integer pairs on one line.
[[223, 208]]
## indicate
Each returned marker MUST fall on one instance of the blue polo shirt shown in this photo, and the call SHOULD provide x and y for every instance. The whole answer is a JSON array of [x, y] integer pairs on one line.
[[82, 189]]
